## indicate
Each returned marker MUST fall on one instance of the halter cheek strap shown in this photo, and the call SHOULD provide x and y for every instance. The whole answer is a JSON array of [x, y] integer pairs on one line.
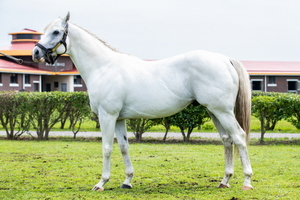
[[49, 58]]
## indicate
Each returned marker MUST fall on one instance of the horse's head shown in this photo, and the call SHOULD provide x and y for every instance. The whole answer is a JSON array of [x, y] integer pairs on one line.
[[53, 43]]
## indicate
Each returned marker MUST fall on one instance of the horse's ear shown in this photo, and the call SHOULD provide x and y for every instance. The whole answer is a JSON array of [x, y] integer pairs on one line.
[[66, 19]]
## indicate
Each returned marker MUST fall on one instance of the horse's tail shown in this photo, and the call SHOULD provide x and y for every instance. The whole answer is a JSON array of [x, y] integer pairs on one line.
[[243, 100]]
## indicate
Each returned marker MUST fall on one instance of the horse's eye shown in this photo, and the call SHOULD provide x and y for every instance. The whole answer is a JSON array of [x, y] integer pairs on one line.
[[55, 32]]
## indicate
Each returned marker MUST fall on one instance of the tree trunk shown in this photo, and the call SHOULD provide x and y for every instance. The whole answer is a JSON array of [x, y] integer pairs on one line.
[[165, 136], [183, 135], [190, 130], [138, 137], [262, 129]]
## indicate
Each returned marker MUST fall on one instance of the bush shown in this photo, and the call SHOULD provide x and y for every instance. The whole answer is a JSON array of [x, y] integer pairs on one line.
[[13, 114], [189, 118], [291, 108], [41, 111]]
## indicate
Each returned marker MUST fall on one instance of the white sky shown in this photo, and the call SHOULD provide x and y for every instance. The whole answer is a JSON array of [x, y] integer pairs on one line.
[[154, 29]]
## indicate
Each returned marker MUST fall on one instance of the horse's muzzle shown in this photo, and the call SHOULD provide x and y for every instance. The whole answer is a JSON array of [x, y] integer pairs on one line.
[[37, 55]]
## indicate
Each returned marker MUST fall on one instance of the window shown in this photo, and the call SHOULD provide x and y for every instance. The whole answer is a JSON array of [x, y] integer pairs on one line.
[[77, 80], [36, 87], [256, 85], [24, 36], [292, 86], [0, 78], [271, 79], [14, 78], [27, 79]]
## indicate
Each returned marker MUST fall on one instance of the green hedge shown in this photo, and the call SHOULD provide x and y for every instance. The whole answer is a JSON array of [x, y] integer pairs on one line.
[[22, 111], [271, 107], [41, 111]]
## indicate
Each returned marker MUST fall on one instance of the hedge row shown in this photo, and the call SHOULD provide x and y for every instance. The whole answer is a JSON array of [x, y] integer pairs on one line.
[[20, 112]]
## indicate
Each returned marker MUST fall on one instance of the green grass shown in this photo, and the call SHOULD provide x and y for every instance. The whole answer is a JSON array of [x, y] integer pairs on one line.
[[67, 169]]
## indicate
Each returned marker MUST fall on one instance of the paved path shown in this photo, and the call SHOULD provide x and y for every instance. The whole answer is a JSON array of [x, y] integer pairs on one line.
[[170, 135]]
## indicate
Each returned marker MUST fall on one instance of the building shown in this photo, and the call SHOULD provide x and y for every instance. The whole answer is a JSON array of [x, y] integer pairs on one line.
[[30, 76], [63, 76], [271, 76]]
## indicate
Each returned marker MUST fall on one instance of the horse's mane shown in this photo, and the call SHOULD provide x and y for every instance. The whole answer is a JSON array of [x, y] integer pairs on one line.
[[95, 36]]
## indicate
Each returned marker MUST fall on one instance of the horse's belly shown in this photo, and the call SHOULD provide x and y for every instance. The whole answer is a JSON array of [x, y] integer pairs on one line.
[[154, 109]]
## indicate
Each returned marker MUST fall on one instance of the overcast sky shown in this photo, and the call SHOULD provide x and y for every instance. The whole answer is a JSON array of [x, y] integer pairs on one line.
[[154, 29]]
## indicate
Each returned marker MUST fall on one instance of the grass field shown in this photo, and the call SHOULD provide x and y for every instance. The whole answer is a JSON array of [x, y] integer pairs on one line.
[[67, 169]]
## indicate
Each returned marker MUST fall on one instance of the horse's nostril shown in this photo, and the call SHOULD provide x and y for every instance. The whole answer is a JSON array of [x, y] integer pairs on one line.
[[36, 52]]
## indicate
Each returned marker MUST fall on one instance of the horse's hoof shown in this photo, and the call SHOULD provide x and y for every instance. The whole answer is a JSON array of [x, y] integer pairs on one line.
[[223, 186], [97, 189], [126, 186], [247, 188]]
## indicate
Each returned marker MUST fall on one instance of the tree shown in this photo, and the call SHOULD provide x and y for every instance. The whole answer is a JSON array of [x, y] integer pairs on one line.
[[78, 109], [140, 126], [189, 118], [13, 114], [269, 110], [291, 105], [45, 110]]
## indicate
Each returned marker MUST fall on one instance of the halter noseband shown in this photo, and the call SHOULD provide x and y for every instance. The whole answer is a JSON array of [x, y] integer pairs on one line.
[[49, 58]]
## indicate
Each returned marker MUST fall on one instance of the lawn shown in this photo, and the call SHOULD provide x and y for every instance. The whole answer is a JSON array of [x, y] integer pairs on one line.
[[67, 169]]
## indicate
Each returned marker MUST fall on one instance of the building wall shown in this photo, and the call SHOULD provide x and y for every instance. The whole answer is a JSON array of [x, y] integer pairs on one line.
[[79, 84], [7, 86], [281, 83], [57, 83]]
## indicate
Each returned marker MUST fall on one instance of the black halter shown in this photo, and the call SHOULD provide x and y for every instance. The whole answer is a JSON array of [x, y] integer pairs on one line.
[[49, 58]]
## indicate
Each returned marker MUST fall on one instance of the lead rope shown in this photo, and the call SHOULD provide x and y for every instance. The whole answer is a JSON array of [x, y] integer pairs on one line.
[[17, 60]]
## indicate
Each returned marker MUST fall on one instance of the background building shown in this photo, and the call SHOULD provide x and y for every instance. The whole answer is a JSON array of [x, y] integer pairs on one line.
[[61, 76], [268, 76]]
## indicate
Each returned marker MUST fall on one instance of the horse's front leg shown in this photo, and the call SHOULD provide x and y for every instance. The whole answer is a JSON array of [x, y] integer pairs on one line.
[[121, 134], [107, 124]]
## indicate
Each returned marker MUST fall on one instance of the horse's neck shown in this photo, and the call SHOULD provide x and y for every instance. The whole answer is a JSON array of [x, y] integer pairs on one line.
[[88, 53]]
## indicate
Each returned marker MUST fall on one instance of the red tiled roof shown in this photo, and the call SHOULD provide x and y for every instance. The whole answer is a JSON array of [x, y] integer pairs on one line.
[[11, 67], [272, 67]]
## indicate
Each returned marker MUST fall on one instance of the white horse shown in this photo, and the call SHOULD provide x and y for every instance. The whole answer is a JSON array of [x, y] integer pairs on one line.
[[121, 86]]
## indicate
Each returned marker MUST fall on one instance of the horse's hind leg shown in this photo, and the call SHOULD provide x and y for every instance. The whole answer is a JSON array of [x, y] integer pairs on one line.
[[238, 136], [228, 152], [121, 134]]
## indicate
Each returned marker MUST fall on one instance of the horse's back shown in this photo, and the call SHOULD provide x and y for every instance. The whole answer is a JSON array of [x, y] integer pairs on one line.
[[204, 74]]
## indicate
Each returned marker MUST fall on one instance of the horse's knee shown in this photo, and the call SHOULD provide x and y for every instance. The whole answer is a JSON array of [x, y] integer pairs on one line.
[[107, 150]]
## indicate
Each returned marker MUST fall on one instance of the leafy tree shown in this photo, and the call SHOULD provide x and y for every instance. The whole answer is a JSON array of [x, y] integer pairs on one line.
[[140, 126], [269, 110], [13, 114], [189, 118], [291, 105], [45, 110], [78, 109]]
